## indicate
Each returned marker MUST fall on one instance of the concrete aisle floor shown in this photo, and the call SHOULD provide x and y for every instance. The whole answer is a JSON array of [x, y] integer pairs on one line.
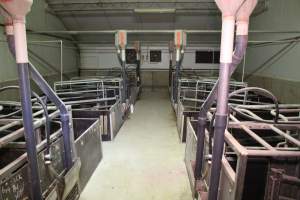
[[145, 161]]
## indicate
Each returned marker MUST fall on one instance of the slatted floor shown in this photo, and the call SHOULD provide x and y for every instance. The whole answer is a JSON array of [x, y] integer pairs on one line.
[[145, 161]]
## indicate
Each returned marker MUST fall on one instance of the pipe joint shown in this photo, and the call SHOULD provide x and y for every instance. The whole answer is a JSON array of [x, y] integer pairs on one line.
[[201, 121], [63, 109], [242, 27], [65, 117], [9, 29], [20, 41], [228, 17], [240, 49], [221, 121], [227, 40]]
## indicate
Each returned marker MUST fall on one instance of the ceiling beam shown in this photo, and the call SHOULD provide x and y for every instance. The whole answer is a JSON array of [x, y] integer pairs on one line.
[[63, 7], [110, 32], [79, 7]]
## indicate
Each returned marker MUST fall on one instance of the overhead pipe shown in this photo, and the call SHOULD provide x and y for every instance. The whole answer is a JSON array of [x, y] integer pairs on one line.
[[17, 10]]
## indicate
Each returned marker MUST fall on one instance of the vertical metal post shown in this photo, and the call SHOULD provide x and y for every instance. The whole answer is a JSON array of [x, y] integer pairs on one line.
[[64, 114], [170, 69], [124, 75], [176, 80], [61, 61], [244, 66], [40, 81], [228, 26], [220, 126], [25, 94], [138, 68]]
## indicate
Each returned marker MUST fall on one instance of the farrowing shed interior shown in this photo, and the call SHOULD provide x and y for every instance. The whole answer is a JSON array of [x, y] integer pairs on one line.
[[139, 99]]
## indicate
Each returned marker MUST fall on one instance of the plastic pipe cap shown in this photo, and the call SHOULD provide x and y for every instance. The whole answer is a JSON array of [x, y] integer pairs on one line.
[[243, 16], [18, 9], [229, 7], [246, 10]]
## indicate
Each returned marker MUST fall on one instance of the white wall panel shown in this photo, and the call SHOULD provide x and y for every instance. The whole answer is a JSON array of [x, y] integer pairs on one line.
[[105, 57]]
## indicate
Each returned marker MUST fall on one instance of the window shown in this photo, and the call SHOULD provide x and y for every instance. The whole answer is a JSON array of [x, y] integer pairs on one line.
[[209, 57], [204, 57], [130, 56], [217, 57], [155, 56]]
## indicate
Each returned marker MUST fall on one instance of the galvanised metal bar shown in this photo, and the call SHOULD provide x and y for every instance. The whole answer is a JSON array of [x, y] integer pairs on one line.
[[20, 133], [25, 94], [245, 153], [43, 85]]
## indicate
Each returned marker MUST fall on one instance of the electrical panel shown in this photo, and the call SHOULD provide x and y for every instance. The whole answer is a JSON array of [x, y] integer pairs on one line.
[[155, 56]]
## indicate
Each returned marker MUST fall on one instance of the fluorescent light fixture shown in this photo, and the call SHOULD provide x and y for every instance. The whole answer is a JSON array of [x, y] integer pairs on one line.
[[155, 11]]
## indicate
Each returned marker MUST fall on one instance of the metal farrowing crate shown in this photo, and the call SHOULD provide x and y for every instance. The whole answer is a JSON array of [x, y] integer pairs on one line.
[[261, 160]]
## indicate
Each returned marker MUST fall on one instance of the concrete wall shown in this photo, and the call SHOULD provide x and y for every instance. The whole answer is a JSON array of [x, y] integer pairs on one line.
[[106, 57], [275, 66], [45, 56], [153, 74]]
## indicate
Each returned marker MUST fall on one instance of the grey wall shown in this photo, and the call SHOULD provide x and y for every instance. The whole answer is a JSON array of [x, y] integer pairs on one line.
[[46, 55], [153, 74], [275, 66], [106, 57]]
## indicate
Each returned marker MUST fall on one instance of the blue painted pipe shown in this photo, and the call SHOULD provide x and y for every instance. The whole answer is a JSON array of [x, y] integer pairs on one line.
[[240, 48], [47, 90], [25, 94]]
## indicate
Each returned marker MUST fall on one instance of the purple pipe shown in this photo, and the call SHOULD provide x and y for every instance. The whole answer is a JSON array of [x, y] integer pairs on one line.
[[240, 49], [64, 114], [25, 93]]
